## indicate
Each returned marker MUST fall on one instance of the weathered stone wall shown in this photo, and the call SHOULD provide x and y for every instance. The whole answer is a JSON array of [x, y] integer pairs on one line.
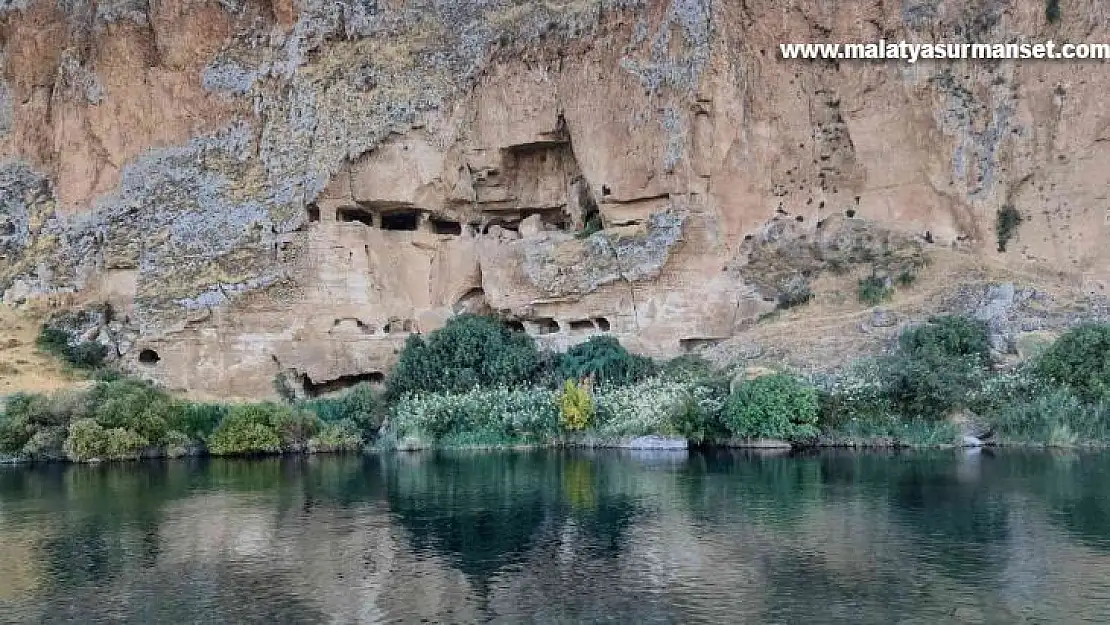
[[274, 187]]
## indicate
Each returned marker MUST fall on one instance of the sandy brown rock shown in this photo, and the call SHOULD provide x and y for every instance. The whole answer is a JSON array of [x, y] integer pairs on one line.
[[267, 188]]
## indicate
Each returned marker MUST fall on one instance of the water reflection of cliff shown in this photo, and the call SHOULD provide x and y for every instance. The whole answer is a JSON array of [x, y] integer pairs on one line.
[[561, 537]]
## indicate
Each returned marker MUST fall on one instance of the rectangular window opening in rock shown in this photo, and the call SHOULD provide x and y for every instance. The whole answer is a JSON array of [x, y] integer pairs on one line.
[[401, 220], [351, 214], [582, 325], [446, 227]]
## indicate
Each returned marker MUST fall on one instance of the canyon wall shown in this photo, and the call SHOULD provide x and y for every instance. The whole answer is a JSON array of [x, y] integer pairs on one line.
[[235, 190]]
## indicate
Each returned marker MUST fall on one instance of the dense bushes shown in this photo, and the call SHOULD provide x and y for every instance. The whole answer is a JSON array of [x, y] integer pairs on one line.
[[874, 290], [126, 418], [469, 351], [360, 406], [1080, 361], [80, 354], [263, 429], [492, 416], [606, 360], [935, 366], [772, 406], [908, 396]]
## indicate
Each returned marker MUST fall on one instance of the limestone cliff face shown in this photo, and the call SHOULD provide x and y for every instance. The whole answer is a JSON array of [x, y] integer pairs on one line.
[[292, 187]]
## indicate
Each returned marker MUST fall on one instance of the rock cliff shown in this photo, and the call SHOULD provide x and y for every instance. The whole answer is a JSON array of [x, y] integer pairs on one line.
[[290, 187]]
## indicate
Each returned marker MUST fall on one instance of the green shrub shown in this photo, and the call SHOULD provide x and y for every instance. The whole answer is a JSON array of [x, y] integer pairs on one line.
[[604, 358], [1007, 220], [137, 406], [688, 368], [927, 386], [53, 340], [469, 351], [592, 225], [1052, 11], [336, 436], [873, 290], [88, 440], [262, 428], [794, 292], [697, 414], [772, 406], [198, 421], [906, 278], [948, 336], [1055, 417], [936, 367], [1080, 361], [359, 405], [27, 415], [637, 409], [494, 415], [83, 355]]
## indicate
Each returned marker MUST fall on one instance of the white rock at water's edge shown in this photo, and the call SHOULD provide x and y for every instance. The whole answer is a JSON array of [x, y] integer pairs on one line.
[[970, 441], [656, 442]]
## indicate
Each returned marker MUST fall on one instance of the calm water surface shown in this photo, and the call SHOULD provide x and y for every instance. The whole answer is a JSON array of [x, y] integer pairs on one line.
[[562, 537]]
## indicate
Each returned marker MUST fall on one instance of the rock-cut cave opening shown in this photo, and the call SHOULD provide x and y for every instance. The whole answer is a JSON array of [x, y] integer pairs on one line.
[[149, 357]]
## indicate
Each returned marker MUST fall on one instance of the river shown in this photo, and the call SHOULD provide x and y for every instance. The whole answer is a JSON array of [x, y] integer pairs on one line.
[[562, 537]]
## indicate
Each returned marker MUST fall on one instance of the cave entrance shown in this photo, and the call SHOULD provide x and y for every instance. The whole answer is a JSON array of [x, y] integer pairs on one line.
[[343, 382], [350, 214], [401, 220], [446, 226], [149, 357]]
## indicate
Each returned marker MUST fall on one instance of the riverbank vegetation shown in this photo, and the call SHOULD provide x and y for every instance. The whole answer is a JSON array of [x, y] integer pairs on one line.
[[476, 382]]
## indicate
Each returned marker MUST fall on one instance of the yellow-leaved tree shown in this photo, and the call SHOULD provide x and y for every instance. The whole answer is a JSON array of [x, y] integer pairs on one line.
[[576, 406]]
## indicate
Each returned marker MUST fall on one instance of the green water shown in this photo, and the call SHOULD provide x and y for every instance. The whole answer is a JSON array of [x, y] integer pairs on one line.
[[562, 537]]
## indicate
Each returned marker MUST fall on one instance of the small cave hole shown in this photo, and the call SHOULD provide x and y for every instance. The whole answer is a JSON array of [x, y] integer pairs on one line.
[[799, 219], [602, 324], [546, 325], [515, 325], [351, 214], [447, 226], [313, 212], [605, 190], [149, 357], [928, 236], [343, 382], [851, 212], [582, 325], [503, 225], [401, 220]]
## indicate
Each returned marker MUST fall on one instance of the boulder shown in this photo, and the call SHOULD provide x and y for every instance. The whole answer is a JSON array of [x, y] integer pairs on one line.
[[656, 443], [531, 227], [883, 318]]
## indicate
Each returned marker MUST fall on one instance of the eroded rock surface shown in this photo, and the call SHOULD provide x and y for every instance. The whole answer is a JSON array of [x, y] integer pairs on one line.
[[263, 188]]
